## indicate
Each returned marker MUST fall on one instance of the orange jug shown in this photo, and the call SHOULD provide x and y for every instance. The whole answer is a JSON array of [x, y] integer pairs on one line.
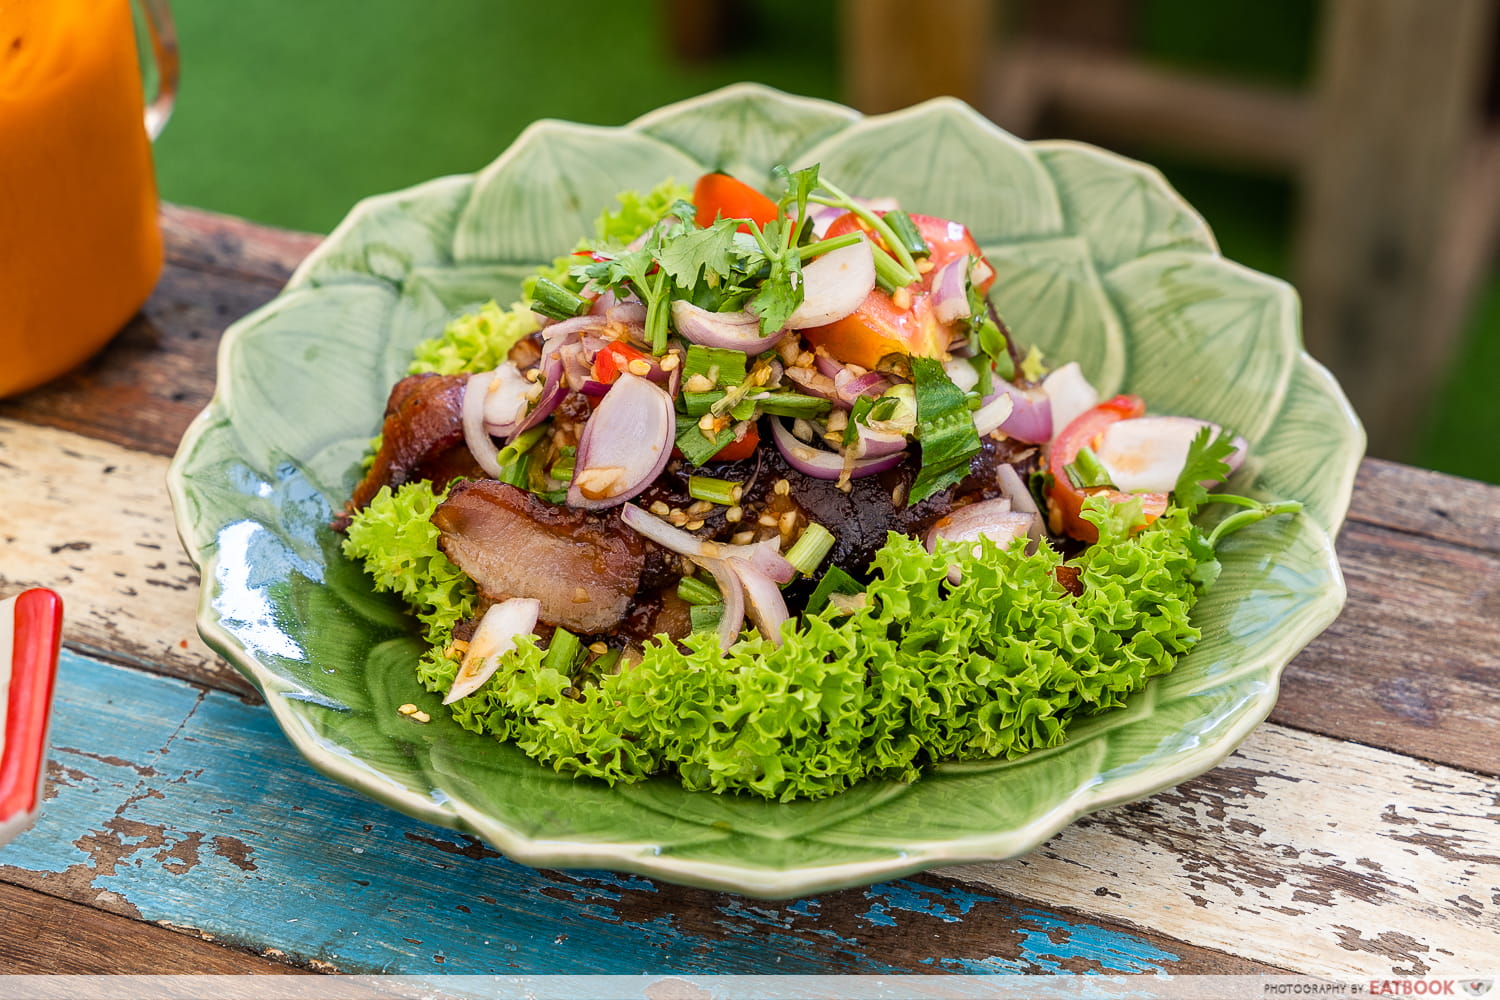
[[80, 248]]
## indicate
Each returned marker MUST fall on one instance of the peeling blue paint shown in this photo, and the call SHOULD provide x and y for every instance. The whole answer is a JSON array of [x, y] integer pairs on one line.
[[191, 807]]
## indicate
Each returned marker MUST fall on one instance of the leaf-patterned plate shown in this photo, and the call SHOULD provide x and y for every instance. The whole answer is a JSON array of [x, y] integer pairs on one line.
[[1098, 260]]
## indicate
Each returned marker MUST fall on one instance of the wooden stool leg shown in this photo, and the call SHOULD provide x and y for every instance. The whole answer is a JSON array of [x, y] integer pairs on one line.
[[897, 52], [1396, 112]]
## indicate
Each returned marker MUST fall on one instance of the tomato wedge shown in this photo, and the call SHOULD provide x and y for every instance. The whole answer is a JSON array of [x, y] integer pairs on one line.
[[743, 448], [947, 239], [719, 196], [1066, 500]]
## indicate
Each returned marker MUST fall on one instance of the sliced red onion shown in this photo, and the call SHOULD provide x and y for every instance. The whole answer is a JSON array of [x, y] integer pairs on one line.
[[625, 444], [496, 635], [1070, 393], [992, 415], [837, 384], [850, 386], [631, 312], [834, 285], [1030, 418], [735, 331], [1147, 454], [733, 592], [961, 373], [812, 383], [950, 291], [506, 398], [871, 443], [475, 436], [825, 464], [1015, 490], [763, 600], [587, 323], [554, 390], [992, 519], [765, 556]]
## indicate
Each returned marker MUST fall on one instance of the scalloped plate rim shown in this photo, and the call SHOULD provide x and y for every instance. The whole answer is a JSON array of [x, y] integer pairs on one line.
[[635, 856]]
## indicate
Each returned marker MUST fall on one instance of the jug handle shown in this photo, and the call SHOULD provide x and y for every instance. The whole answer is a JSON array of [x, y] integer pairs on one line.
[[163, 37]]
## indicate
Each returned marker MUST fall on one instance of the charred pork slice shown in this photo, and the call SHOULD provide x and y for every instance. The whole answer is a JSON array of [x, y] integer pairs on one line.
[[422, 438], [584, 568]]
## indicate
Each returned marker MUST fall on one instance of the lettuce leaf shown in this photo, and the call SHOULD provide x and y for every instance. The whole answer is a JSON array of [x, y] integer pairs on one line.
[[927, 670]]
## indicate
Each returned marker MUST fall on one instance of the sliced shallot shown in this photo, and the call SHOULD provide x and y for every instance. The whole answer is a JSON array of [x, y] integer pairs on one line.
[[825, 464], [992, 519], [733, 592], [1146, 454], [834, 285], [763, 600], [496, 635], [481, 446], [1070, 394], [950, 291], [1030, 417], [993, 415], [625, 444], [765, 556], [735, 331]]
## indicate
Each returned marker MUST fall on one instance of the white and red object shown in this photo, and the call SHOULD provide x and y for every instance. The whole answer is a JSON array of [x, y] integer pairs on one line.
[[30, 629]]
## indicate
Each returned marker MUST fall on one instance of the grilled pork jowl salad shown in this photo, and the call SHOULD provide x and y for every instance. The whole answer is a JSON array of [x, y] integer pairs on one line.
[[764, 494]]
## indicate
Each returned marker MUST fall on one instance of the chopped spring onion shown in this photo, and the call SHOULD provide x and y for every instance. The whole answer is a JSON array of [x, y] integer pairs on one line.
[[1087, 471], [562, 651], [556, 302], [889, 274], [719, 491], [605, 663], [906, 231], [720, 366], [811, 549], [835, 581], [696, 592]]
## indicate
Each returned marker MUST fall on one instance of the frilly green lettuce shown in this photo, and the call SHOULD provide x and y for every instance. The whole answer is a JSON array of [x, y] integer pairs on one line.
[[476, 341], [926, 670]]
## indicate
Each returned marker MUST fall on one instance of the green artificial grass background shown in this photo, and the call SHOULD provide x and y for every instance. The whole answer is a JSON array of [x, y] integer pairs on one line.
[[289, 112]]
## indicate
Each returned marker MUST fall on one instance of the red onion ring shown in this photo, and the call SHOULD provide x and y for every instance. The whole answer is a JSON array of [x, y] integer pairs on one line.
[[1015, 490], [993, 415], [763, 600], [875, 444], [834, 285], [735, 331], [625, 444], [1030, 418], [733, 593], [825, 464], [950, 291], [480, 444], [992, 519], [496, 635]]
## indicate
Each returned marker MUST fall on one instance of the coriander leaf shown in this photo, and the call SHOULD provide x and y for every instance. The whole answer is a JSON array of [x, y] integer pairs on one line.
[[779, 296], [1205, 461], [699, 251]]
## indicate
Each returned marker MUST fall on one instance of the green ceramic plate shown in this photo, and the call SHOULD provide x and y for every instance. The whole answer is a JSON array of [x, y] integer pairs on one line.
[[1098, 260]]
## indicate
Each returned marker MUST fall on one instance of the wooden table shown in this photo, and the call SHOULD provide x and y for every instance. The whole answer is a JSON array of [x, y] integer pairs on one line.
[[1356, 833]]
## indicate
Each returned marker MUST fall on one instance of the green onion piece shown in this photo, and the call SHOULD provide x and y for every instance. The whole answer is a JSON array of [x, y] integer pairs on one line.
[[828, 246], [556, 302], [705, 617], [811, 549], [876, 223], [695, 404], [889, 275], [1087, 471], [719, 365], [695, 591], [835, 581], [791, 404], [562, 651], [719, 491], [521, 445], [907, 233], [696, 448]]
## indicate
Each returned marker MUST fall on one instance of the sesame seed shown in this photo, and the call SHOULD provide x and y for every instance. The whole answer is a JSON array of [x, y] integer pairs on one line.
[[598, 648], [421, 716], [639, 366], [677, 517], [743, 537], [733, 514], [694, 525], [706, 422], [768, 520], [736, 493], [407, 709], [783, 487], [669, 363], [700, 507], [788, 521], [901, 298], [533, 374], [924, 265], [660, 509], [898, 494]]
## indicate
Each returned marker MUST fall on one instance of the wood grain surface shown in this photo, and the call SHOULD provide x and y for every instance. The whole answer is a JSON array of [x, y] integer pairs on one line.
[[1355, 833]]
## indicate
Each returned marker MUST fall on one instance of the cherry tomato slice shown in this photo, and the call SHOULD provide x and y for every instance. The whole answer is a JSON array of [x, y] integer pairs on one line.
[[743, 448], [719, 196], [613, 359], [1066, 500]]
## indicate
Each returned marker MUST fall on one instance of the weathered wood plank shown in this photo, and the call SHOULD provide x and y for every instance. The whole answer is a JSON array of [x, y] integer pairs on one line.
[[1320, 856], [1458, 511], [42, 935], [172, 803], [92, 521], [1413, 663], [228, 245]]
